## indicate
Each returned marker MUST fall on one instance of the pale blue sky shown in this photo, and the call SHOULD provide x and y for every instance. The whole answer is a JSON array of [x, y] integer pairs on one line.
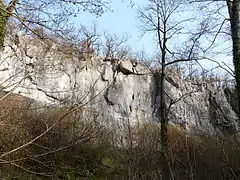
[[123, 20], [120, 21]]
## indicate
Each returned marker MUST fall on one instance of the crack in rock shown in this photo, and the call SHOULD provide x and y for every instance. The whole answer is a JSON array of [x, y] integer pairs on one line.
[[109, 102], [130, 106], [39, 89]]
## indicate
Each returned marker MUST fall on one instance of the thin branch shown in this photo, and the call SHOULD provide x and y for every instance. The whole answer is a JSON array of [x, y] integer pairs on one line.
[[229, 70], [216, 35]]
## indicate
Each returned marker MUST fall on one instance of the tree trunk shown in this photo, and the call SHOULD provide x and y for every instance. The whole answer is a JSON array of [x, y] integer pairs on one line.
[[234, 9], [3, 22], [163, 115], [164, 123]]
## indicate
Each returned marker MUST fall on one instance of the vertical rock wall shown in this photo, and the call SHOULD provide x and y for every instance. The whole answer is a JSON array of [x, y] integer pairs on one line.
[[120, 91]]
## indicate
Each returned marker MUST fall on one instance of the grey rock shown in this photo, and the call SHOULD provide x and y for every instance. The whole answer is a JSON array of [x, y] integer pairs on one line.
[[120, 91]]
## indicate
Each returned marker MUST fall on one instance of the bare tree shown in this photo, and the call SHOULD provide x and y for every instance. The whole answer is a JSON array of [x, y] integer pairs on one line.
[[90, 41], [161, 18], [112, 44], [156, 17], [125, 53], [234, 13], [51, 15]]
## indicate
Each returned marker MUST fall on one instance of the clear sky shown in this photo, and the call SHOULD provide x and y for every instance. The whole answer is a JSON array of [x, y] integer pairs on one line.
[[120, 21], [123, 20]]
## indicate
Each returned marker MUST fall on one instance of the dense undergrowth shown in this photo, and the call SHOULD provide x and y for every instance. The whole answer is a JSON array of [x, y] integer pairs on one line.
[[82, 148]]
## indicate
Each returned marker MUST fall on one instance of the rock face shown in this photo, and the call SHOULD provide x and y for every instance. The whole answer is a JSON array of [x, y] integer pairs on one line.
[[121, 91]]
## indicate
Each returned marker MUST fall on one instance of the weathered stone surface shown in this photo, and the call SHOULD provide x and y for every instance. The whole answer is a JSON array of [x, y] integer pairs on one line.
[[118, 90]]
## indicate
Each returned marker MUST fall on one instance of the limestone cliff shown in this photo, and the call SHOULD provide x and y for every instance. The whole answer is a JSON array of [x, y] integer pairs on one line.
[[117, 90]]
